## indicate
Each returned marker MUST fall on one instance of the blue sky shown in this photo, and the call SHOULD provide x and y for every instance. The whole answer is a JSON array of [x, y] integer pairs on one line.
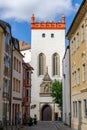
[[18, 14]]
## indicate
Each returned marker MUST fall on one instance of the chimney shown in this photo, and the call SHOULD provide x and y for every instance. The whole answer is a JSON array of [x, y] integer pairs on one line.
[[32, 18], [63, 19]]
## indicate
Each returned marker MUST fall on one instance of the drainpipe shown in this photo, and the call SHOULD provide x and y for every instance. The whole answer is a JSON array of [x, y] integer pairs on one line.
[[70, 114]]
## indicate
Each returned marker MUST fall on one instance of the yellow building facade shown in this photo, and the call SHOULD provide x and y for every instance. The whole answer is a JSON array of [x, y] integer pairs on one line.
[[5, 75], [77, 36]]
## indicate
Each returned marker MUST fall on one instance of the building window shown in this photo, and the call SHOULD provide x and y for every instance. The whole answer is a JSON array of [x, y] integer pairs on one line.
[[78, 76], [7, 43], [27, 75], [73, 109], [78, 41], [13, 84], [27, 93], [85, 108], [5, 85], [56, 64], [74, 78], [84, 72], [7, 62], [74, 45], [82, 32], [14, 63], [41, 63], [43, 35], [24, 73], [19, 67], [52, 35], [23, 92], [18, 85]]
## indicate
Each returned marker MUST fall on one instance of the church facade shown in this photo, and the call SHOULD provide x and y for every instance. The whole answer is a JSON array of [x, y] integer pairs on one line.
[[47, 51]]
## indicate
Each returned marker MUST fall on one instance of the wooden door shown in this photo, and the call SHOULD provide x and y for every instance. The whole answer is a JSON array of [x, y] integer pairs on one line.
[[46, 113]]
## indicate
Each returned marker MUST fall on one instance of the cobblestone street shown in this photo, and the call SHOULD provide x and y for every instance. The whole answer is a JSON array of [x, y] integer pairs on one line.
[[45, 125], [41, 125]]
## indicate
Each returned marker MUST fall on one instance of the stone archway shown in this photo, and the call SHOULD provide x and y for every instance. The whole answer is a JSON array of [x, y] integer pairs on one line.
[[46, 113]]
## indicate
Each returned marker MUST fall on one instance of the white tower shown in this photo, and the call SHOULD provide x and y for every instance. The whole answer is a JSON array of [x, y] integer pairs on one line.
[[47, 50]]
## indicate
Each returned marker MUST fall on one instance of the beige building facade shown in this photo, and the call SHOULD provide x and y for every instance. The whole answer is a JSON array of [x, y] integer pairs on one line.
[[17, 83], [77, 35]]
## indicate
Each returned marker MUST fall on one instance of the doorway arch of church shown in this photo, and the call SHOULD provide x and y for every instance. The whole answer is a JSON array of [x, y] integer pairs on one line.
[[46, 113]]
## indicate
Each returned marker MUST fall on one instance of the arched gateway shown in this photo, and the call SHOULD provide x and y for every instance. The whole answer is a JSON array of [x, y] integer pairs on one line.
[[46, 113]]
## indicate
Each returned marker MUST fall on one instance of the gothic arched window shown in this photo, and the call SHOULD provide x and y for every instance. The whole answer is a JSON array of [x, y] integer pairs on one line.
[[56, 64], [41, 64]]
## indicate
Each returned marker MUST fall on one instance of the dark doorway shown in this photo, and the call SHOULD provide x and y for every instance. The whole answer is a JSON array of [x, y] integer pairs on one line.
[[46, 113]]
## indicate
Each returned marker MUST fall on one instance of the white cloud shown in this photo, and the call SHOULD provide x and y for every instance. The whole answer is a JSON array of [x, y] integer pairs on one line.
[[21, 10], [76, 6]]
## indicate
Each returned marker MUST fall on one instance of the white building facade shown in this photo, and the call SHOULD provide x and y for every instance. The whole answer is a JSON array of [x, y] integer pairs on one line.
[[47, 51], [66, 87]]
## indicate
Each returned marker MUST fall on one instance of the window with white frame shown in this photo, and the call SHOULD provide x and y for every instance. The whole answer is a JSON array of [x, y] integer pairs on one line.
[[84, 72], [74, 78], [78, 41], [82, 32], [73, 109], [74, 45], [78, 76], [85, 107]]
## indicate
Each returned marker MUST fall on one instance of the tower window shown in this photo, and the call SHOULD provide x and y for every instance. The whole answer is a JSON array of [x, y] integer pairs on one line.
[[43, 35], [56, 64], [52, 35], [41, 63]]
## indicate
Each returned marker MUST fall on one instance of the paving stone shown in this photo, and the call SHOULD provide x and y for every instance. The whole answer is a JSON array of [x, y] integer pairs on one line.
[[48, 125]]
